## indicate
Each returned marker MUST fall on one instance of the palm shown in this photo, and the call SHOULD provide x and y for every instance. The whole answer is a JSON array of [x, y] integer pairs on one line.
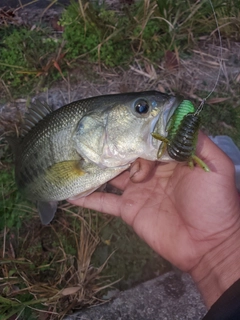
[[174, 210], [170, 212]]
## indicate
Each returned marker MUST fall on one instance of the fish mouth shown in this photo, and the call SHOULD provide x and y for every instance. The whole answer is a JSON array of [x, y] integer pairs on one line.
[[161, 124]]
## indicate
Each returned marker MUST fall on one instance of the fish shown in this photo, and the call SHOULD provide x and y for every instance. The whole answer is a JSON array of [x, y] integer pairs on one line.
[[72, 151]]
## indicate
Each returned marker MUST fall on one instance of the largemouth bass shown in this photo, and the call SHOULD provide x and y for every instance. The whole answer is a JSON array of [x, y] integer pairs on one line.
[[73, 150]]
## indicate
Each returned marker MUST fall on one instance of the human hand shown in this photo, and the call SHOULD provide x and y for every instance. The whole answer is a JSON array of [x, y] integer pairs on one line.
[[182, 213]]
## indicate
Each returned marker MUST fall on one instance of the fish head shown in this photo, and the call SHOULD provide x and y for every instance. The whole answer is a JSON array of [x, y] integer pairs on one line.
[[120, 131]]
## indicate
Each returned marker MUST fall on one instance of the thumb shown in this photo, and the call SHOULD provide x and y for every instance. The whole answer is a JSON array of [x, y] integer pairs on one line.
[[214, 157]]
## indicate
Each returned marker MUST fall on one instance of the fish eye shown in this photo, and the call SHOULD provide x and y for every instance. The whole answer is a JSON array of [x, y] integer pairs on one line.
[[142, 106]]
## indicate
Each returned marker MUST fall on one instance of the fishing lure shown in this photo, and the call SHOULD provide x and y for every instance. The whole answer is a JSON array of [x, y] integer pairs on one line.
[[181, 140], [184, 125]]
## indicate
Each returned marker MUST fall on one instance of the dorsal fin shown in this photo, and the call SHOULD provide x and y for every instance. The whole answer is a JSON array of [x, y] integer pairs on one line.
[[36, 112]]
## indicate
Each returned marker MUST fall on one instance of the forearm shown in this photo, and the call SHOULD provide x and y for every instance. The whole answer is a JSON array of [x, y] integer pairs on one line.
[[218, 269]]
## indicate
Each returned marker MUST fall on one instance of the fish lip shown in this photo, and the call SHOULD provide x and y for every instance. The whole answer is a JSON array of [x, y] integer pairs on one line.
[[162, 121]]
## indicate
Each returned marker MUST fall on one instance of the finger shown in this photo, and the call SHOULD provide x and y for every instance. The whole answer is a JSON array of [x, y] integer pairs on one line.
[[213, 155], [141, 169], [100, 201], [120, 181]]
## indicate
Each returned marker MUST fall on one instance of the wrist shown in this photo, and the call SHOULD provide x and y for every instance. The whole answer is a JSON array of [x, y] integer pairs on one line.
[[218, 269]]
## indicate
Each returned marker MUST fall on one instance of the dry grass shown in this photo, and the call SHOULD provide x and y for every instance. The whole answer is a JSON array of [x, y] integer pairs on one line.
[[48, 279]]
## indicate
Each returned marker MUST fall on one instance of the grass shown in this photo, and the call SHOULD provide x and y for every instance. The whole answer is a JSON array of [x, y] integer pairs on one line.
[[33, 57], [170, 46], [49, 270], [26, 59], [222, 118], [145, 30], [12, 204]]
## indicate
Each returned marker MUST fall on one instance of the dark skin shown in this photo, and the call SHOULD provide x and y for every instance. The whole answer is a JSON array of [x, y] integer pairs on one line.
[[184, 214]]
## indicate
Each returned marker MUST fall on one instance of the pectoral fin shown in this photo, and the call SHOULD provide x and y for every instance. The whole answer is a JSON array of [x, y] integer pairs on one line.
[[47, 211], [60, 175], [63, 173]]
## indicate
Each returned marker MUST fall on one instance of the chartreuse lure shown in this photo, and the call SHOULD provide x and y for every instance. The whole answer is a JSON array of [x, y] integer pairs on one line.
[[181, 140]]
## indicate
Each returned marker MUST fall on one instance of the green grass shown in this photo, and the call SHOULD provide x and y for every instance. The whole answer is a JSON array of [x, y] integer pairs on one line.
[[13, 206], [97, 34], [26, 58], [145, 30], [223, 119], [30, 59]]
